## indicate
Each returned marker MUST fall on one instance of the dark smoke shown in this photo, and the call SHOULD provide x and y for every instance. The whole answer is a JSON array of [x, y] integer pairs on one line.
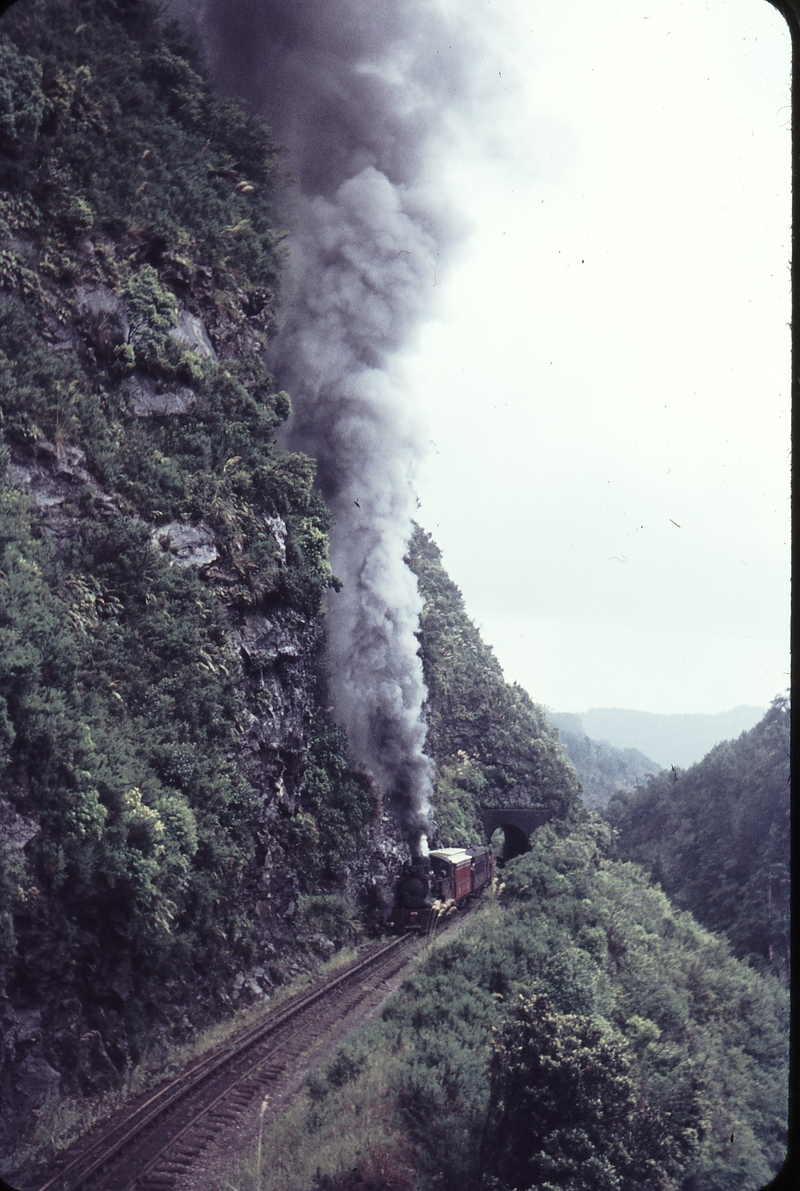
[[358, 91]]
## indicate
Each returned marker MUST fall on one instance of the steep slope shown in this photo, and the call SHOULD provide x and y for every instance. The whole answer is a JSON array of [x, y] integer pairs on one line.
[[602, 768], [174, 793], [716, 837], [170, 783], [492, 745]]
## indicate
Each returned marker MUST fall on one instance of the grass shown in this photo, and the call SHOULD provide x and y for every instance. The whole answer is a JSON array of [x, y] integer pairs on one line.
[[364, 1134], [329, 1132]]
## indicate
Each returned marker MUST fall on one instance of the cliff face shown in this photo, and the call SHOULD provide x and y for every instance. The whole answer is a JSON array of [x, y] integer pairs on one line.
[[172, 785], [493, 746]]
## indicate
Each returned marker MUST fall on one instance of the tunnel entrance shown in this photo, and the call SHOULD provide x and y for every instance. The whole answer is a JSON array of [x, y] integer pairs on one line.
[[516, 842], [509, 829], [508, 841]]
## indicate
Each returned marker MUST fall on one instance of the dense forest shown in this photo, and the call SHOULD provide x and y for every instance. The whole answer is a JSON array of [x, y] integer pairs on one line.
[[716, 838], [183, 826]]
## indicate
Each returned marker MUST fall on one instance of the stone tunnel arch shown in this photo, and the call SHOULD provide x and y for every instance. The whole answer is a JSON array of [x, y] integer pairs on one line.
[[509, 841], [517, 824]]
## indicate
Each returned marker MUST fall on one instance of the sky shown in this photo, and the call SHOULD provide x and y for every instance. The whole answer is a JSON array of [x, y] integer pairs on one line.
[[606, 380]]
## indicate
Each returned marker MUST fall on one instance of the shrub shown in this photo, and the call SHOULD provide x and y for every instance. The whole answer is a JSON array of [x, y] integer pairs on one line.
[[21, 100], [328, 913]]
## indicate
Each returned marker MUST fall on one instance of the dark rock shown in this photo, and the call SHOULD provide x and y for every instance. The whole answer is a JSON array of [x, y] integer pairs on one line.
[[96, 1072], [15, 829], [102, 319], [121, 980], [186, 545], [203, 286], [52, 477], [36, 1082], [151, 400]]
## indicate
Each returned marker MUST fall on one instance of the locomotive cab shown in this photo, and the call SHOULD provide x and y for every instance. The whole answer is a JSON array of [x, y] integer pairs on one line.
[[434, 885], [453, 868]]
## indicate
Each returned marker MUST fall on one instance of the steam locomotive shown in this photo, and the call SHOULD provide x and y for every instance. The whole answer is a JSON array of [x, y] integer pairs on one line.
[[434, 886]]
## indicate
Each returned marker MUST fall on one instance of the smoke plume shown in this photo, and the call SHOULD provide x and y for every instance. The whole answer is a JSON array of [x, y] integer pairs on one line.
[[358, 91]]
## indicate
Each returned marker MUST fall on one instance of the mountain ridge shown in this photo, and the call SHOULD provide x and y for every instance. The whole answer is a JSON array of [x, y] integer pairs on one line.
[[680, 738]]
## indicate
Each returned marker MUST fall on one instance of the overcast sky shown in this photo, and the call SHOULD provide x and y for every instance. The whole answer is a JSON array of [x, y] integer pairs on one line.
[[607, 386]]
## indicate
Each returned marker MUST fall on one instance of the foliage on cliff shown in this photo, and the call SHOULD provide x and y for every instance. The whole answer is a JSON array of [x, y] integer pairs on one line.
[[579, 1032], [492, 744], [119, 713], [89, 86], [716, 838], [138, 267], [136, 197]]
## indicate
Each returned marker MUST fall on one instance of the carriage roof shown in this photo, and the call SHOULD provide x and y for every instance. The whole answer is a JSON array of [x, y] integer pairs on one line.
[[454, 855]]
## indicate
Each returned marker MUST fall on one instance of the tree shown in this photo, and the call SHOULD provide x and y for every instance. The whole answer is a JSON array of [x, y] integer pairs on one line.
[[717, 838], [565, 1110]]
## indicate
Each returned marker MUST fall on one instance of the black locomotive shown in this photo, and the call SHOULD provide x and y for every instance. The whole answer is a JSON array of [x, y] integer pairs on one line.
[[432, 887]]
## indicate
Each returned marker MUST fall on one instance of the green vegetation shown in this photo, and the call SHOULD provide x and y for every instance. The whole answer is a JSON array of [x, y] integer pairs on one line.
[[135, 229], [716, 838], [578, 1032], [338, 802], [119, 710], [146, 808], [133, 191], [564, 1107], [91, 86], [491, 743]]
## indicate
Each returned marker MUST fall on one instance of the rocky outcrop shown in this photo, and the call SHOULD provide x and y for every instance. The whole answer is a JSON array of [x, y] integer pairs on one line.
[[186, 545], [56, 482], [277, 652], [151, 399], [190, 334]]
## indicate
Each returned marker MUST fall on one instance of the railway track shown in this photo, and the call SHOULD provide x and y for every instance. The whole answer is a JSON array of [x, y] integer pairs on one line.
[[154, 1146]]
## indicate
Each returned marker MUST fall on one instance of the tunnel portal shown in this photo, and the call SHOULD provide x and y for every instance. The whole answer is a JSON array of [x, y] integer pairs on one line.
[[517, 824]]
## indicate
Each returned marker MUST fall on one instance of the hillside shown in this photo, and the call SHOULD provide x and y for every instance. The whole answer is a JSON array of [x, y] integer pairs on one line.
[[493, 746], [668, 739], [601, 768], [716, 837], [580, 1032], [171, 785]]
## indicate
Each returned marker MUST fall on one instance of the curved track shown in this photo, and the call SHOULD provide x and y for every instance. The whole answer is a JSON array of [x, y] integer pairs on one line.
[[154, 1144]]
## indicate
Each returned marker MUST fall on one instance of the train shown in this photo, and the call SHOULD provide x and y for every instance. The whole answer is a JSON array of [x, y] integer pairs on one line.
[[433, 887]]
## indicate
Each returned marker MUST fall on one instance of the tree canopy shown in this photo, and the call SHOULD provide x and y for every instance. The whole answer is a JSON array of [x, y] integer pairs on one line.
[[716, 838]]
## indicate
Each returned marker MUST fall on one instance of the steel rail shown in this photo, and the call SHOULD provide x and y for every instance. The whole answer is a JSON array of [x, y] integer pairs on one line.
[[190, 1080]]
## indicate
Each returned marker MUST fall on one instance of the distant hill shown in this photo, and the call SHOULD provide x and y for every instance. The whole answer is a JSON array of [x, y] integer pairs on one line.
[[678, 740], [602, 768]]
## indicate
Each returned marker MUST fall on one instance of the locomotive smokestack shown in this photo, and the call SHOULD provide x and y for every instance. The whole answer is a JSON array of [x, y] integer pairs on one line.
[[356, 88]]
